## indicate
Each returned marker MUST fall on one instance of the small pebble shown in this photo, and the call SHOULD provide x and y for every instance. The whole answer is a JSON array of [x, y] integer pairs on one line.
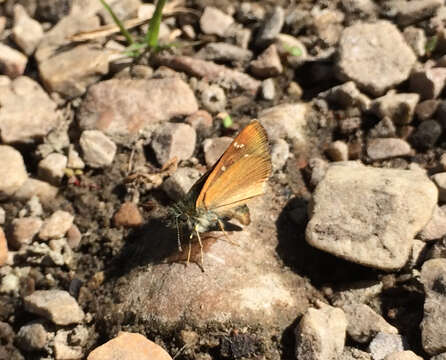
[[74, 160], [426, 134], [268, 64], [426, 109], [214, 21], [178, 184], [32, 337], [97, 149], [52, 168], [440, 181], [338, 151], [128, 215], [12, 168], [385, 148], [57, 306], [56, 225], [2, 216], [200, 120], [74, 236], [268, 89], [213, 98], [3, 248], [23, 231], [385, 344], [280, 152]]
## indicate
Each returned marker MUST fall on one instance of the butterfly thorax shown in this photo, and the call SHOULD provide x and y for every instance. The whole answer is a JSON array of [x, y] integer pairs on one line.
[[193, 218]]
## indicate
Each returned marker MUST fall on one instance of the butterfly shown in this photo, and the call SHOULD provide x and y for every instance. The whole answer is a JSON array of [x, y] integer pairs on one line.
[[222, 192]]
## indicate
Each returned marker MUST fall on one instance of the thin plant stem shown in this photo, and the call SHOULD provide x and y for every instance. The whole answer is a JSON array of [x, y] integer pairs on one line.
[[118, 22], [154, 27]]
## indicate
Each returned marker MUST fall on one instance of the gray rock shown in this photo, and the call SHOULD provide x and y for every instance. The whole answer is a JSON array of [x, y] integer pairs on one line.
[[57, 306], [436, 227], [124, 10], [214, 148], [12, 62], [267, 64], [321, 333], [417, 255], [385, 148], [200, 120], [439, 357], [2, 216], [214, 21], [172, 140], [398, 107], [248, 12], [213, 98], [426, 109], [378, 63], [268, 89], [32, 337], [56, 225], [26, 31], [416, 38], [327, 24], [428, 82], [291, 49], [364, 323], [369, 215], [280, 152], [27, 113], [220, 51], [433, 327], [318, 168], [426, 134], [109, 108], [180, 182], [12, 169], [52, 168], [385, 344], [220, 74], [98, 150], [271, 27], [74, 160]]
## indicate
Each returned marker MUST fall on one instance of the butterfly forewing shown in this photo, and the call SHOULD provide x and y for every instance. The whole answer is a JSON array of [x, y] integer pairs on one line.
[[240, 173]]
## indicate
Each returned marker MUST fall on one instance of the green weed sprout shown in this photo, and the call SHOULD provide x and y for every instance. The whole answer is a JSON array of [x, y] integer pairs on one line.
[[135, 48]]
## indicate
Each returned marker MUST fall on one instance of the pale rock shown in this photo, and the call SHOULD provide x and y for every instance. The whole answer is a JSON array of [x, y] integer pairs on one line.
[[361, 292], [347, 95], [26, 113], [375, 65], [23, 231], [74, 160], [440, 181], [56, 225], [12, 62], [385, 208], [98, 150], [436, 227], [398, 107], [433, 326], [351, 353], [36, 188], [364, 323], [271, 27], [280, 152], [214, 21], [12, 168], [385, 344], [416, 38], [385, 148], [321, 333], [52, 168], [173, 140], [10, 284], [224, 52], [57, 306], [64, 351], [213, 98], [428, 82], [268, 89], [26, 31], [129, 346], [268, 63], [403, 355]]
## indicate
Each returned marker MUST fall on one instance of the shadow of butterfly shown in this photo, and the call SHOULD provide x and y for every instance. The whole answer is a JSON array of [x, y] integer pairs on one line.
[[222, 192]]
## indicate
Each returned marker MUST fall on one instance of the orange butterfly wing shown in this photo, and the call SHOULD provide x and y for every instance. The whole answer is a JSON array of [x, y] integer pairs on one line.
[[240, 173]]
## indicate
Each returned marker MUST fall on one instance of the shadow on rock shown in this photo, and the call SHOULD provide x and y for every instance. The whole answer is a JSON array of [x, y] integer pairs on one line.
[[320, 267]]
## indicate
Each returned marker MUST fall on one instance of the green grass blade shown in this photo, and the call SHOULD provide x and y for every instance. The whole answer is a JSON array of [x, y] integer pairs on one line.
[[154, 27], [118, 22]]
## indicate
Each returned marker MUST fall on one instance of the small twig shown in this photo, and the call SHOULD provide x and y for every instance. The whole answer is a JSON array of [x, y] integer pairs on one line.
[[180, 351]]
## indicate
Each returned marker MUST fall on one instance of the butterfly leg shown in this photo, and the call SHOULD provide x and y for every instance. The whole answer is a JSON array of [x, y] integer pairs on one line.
[[179, 235], [189, 252], [201, 245], [220, 224]]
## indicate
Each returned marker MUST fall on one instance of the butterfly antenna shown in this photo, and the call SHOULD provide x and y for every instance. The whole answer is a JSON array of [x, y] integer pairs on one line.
[[220, 224], [178, 234]]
